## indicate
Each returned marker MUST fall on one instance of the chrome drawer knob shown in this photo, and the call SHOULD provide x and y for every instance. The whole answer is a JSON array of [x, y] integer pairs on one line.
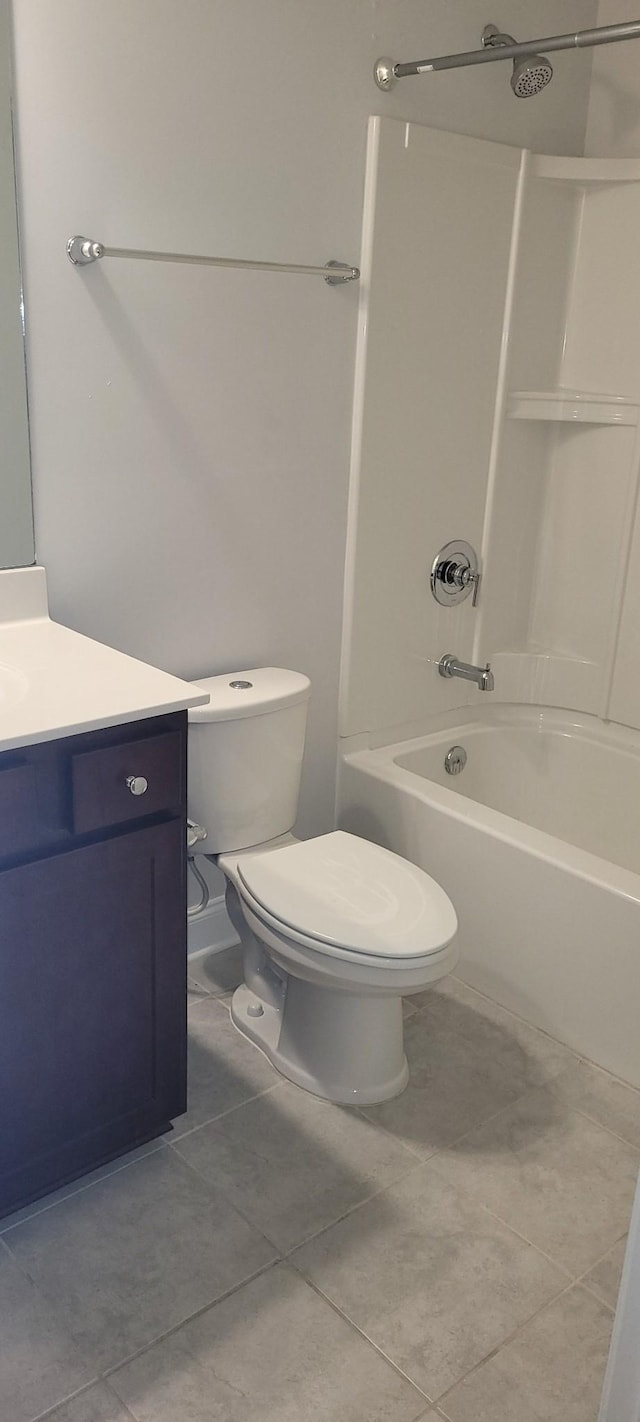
[[137, 784]]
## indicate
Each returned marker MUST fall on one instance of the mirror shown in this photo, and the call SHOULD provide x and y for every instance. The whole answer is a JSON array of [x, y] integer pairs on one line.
[[16, 516]]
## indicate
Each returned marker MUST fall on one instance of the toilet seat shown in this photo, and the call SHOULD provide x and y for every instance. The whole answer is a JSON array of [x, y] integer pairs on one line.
[[345, 897]]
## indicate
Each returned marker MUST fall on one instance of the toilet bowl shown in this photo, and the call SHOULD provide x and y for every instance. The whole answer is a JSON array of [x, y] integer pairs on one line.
[[335, 930]]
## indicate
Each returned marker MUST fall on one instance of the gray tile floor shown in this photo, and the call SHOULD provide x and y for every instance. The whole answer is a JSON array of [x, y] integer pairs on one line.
[[453, 1254]]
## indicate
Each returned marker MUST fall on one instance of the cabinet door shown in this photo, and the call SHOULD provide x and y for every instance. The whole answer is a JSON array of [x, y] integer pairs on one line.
[[92, 1006]]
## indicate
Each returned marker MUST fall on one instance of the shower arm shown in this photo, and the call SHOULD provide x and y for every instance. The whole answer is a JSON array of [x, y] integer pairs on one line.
[[386, 72]]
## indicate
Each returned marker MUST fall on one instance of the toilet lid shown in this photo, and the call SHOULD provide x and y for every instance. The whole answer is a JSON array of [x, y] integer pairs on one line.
[[344, 891]]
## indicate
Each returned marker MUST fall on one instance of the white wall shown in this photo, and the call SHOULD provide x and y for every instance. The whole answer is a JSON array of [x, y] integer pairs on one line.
[[191, 428], [613, 127], [16, 524]]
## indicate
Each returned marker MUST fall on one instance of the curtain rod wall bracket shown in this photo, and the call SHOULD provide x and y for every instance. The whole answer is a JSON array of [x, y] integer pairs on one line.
[[83, 251], [384, 73]]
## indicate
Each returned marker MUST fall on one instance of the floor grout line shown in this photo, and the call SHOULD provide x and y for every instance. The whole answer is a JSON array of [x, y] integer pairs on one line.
[[172, 1139], [105, 1374], [195, 997], [42, 1206], [441, 1149], [164, 1142], [480, 1125], [524, 1238], [508, 1011], [361, 1333], [483, 1121], [510, 1338], [378, 1126], [73, 1396], [217, 1189], [595, 1066], [437, 1403], [602, 1256], [175, 1328], [511, 1105], [430, 1010], [594, 1295], [591, 1288], [285, 1254], [351, 1210], [579, 1057], [575, 1279], [593, 1120], [108, 1372], [208, 999]]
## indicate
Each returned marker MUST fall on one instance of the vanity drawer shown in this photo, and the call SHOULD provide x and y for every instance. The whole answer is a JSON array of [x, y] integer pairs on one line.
[[19, 826], [126, 781]]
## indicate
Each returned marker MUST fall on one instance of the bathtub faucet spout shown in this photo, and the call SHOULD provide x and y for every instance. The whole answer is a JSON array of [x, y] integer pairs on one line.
[[482, 676]]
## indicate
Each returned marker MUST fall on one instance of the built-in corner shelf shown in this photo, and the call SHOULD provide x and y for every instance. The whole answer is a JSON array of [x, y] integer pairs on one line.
[[572, 407], [585, 171]]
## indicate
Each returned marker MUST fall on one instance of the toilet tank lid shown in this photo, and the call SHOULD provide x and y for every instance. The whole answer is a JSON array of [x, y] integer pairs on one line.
[[256, 692]]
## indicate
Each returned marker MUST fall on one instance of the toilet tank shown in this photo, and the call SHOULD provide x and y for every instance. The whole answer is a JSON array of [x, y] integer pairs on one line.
[[245, 752]]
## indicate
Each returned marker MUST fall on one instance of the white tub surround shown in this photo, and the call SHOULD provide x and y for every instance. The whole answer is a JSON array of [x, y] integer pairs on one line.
[[563, 478], [497, 401], [54, 682], [536, 842]]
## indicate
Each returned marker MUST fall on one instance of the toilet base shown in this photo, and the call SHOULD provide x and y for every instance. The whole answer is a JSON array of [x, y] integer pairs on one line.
[[346, 1047]]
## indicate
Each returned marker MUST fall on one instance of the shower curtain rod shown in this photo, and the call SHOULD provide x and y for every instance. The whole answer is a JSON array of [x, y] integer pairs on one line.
[[82, 251], [386, 72]]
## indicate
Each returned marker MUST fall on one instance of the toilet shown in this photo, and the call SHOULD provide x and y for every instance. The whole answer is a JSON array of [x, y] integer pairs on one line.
[[335, 930]]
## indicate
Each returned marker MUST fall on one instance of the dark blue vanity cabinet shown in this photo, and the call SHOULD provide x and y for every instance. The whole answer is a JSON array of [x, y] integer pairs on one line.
[[92, 950]]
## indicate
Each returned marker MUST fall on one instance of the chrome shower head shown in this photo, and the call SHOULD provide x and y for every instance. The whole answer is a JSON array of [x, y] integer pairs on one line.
[[531, 72]]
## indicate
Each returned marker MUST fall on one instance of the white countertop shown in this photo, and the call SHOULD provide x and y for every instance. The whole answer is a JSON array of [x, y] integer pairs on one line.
[[55, 682]]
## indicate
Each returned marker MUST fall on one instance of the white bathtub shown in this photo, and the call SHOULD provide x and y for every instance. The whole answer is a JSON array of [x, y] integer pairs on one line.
[[537, 842]]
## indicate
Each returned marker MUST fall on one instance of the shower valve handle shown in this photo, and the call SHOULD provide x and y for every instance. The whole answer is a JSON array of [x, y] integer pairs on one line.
[[455, 572], [459, 575]]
